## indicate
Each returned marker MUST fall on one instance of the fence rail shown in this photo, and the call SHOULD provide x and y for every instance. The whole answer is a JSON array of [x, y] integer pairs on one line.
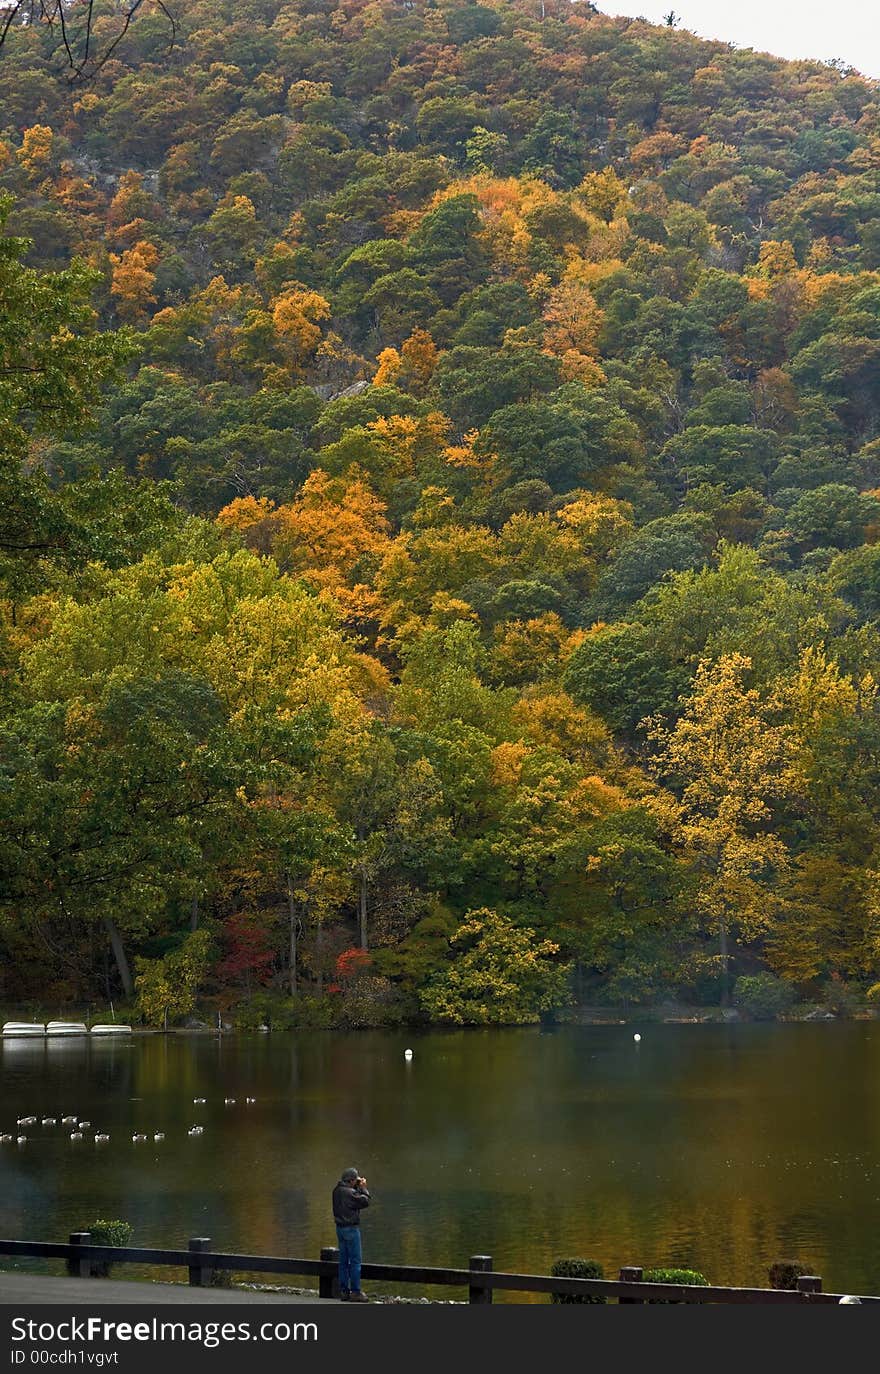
[[479, 1278]]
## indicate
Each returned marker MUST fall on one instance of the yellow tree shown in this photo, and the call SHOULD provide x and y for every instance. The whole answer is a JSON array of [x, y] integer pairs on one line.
[[729, 761], [297, 315], [572, 318], [133, 280], [831, 904], [334, 529], [35, 153], [419, 356]]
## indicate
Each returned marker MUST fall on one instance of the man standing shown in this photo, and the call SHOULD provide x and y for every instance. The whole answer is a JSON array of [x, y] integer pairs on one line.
[[350, 1197]]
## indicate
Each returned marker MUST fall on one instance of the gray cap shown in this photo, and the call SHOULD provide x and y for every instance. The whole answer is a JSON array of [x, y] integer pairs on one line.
[[350, 1175]]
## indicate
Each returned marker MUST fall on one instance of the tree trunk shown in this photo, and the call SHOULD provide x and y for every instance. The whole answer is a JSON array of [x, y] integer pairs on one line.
[[319, 955], [291, 922], [194, 914], [119, 955], [362, 910], [725, 963]]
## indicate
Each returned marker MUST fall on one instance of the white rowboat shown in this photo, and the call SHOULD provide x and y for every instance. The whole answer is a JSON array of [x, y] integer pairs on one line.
[[23, 1028], [66, 1028]]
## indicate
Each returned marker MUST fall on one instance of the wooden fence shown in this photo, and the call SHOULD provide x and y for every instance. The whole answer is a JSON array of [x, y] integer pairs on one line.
[[479, 1279]]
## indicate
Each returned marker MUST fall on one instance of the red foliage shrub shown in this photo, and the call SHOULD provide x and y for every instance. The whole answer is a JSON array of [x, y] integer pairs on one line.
[[351, 963]]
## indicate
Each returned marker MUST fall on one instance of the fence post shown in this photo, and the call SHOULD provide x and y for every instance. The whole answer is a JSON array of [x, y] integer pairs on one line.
[[631, 1273], [481, 1264], [81, 1267], [200, 1274], [809, 1283], [328, 1284]]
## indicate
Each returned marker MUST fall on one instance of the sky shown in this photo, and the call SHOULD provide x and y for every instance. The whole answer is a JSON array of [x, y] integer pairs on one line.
[[826, 29]]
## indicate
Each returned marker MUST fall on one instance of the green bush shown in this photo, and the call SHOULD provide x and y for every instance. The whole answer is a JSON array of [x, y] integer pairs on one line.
[[843, 998], [692, 1277], [310, 1012], [116, 1233], [763, 995], [576, 1269], [785, 1273]]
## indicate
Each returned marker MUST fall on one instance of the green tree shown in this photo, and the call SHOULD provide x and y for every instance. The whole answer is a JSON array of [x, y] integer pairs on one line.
[[500, 975], [731, 764]]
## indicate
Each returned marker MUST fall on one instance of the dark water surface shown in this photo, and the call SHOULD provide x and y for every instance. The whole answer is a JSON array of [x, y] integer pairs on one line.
[[719, 1148]]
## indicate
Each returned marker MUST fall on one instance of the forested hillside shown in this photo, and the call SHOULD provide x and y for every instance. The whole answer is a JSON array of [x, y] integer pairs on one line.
[[440, 477]]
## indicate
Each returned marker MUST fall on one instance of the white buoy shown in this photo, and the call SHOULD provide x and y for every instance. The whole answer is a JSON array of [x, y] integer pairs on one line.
[[407, 1054], [100, 1137], [195, 1130], [159, 1135], [5, 1138], [76, 1135], [229, 1101], [84, 1125], [250, 1101], [21, 1139], [199, 1101], [49, 1121], [637, 1037]]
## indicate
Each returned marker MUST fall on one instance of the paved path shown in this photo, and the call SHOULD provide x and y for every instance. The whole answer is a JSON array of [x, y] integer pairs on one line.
[[20, 1289]]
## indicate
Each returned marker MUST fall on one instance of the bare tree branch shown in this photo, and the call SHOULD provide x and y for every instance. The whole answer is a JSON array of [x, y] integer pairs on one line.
[[74, 21]]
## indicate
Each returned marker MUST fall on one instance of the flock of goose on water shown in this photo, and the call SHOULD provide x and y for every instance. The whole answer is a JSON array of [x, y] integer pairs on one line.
[[80, 1127]]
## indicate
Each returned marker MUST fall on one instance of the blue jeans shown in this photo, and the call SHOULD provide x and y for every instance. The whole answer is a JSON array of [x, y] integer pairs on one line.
[[349, 1238]]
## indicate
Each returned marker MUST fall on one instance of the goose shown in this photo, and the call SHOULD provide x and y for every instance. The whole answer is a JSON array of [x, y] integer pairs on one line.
[[84, 1125], [196, 1130], [199, 1101], [26, 1121], [21, 1139], [159, 1135], [49, 1121], [100, 1137], [5, 1139], [68, 1120], [76, 1135], [137, 1136]]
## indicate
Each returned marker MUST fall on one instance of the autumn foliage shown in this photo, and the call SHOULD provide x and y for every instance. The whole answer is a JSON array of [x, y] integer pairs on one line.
[[439, 516]]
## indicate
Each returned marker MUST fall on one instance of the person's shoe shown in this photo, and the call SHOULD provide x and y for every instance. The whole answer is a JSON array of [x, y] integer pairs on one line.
[[358, 1296], [344, 1295]]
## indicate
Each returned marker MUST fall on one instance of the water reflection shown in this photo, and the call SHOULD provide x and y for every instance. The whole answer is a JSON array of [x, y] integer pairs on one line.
[[718, 1147]]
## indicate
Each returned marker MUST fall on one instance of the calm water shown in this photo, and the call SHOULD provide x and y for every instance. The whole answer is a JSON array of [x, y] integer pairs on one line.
[[720, 1148]]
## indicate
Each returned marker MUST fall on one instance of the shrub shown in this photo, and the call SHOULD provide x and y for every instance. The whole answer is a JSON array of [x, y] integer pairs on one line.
[[369, 1001], [785, 1273], [310, 1012], [841, 997], [763, 995], [576, 1269], [692, 1277], [264, 1008], [116, 1233]]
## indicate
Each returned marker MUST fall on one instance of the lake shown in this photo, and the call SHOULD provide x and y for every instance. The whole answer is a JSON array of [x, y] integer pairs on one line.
[[715, 1147]]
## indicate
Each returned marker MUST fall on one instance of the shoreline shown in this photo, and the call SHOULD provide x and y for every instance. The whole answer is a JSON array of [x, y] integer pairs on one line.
[[663, 1014]]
